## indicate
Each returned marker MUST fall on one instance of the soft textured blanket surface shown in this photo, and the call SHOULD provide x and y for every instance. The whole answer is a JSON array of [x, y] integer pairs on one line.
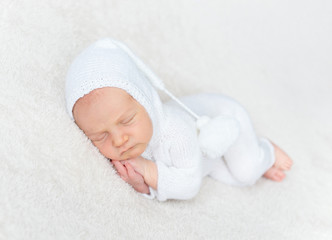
[[272, 56]]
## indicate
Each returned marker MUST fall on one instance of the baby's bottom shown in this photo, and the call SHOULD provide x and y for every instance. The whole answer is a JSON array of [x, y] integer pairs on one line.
[[249, 157]]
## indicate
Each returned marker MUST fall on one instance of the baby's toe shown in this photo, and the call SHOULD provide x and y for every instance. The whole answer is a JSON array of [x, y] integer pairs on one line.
[[275, 174], [288, 164], [279, 176]]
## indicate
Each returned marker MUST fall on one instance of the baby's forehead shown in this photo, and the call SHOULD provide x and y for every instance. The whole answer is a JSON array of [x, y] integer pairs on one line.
[[93, 95], [102, 98], [105, 92]]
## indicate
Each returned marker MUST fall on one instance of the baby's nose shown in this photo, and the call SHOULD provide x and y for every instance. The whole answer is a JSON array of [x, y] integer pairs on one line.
[[119, 140]]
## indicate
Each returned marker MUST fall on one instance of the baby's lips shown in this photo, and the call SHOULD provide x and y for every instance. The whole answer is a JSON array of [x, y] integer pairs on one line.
[[129, 148]]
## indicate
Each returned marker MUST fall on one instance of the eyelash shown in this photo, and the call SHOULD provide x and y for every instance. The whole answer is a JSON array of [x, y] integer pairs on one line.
[[100, 139], [126, 122]]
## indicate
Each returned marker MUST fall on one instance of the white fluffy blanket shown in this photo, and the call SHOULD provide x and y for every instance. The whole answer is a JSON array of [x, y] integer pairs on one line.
[[272, 56]]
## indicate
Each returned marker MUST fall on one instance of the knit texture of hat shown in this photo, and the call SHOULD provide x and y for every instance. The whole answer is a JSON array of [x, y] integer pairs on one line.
[[103, 64]]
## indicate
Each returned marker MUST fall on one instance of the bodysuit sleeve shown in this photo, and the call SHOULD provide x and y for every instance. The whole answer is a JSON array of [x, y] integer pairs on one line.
[[180, 175]]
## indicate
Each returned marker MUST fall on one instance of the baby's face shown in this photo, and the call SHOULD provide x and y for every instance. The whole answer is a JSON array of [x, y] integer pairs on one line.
[[115, 122]]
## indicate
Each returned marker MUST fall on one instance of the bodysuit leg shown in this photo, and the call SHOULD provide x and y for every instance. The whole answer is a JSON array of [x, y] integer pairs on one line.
[[249, 157]]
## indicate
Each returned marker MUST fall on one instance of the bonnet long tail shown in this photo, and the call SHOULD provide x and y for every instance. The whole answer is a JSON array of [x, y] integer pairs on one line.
[[215, 135]]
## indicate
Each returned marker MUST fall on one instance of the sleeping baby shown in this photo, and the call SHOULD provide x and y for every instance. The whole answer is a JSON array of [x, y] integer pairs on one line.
[[155, 147]]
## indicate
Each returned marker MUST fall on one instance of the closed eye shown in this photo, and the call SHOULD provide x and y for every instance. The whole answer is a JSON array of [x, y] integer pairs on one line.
[[100, 138], [128, 120]]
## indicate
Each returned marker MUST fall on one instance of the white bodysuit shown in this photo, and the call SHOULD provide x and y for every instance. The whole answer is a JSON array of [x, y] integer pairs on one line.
[[181, 165], [174, 144]]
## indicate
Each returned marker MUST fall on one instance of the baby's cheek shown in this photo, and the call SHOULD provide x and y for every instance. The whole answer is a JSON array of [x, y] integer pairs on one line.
[[104, 149], [147, 133], [144, 131]]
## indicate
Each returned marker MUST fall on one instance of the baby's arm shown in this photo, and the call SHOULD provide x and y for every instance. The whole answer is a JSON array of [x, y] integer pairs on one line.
[[181, 181], [129, 175]]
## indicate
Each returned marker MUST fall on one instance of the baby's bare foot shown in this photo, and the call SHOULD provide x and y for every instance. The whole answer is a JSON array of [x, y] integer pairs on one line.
[[282, 163], [275, 174]]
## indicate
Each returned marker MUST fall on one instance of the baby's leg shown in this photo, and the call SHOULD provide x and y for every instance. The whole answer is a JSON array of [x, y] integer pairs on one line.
[[221, 172], [249, 157]]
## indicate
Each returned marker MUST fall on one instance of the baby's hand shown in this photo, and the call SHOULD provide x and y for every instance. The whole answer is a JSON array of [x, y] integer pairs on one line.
[[147, 168], [129, 175], [139, 164]]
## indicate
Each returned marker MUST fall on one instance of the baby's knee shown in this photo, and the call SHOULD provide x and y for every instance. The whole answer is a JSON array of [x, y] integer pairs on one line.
[[246, 176]]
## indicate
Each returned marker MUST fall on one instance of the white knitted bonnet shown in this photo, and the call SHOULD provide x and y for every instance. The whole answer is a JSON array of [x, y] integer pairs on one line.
[[104, 64]]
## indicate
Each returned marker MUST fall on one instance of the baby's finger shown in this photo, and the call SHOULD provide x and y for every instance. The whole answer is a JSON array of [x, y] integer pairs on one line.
[[131, 171], [120, 168]]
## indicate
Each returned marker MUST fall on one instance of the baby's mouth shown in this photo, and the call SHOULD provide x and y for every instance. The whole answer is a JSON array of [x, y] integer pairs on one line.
[[128, 149]]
